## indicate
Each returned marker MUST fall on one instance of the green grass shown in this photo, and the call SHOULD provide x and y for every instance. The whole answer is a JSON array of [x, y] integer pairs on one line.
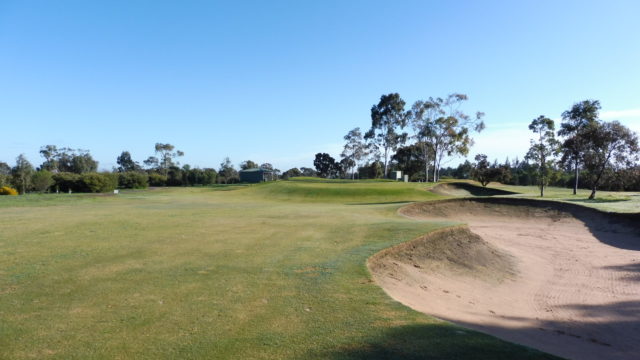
[[272, 271], [626, 202]]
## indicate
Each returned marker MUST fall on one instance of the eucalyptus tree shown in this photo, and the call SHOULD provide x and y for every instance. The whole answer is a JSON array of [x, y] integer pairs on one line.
[[422, 115], [248, 164], [166, 156], [325, 165], [575, 122], [227, 173], [388, 118], [126, 163], [50, 155], [484, 172], [609, 144], [5, 172], [22, 173], [444, 128], [355, 149], [543, 149]]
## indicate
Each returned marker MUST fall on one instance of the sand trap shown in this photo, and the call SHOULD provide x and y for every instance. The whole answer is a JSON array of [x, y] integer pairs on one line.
[[560, 278]]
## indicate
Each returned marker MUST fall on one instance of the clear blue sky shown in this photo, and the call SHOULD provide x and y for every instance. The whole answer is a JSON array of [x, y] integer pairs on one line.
[[278, 81]]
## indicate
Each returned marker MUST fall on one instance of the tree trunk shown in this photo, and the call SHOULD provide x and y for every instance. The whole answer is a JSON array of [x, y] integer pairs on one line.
[[426, 171], [386, 151], [577, 171], [593, 193]]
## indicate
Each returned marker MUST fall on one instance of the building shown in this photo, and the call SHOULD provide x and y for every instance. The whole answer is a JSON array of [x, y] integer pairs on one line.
[[255, 175]]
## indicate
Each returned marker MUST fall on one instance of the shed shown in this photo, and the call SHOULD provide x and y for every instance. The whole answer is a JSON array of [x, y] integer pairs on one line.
[[255, 175]]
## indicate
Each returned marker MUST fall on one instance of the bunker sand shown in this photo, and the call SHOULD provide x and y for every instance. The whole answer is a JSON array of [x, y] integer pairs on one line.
[[557, 277]]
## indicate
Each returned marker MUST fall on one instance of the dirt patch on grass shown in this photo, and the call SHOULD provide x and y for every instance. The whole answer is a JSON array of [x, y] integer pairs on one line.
[[558, 277]]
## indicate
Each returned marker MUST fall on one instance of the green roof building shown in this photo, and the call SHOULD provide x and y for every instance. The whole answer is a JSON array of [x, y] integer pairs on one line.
[[255, 175]]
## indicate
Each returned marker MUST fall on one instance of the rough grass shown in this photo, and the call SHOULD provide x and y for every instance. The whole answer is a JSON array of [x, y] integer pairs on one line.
[[274, 271]]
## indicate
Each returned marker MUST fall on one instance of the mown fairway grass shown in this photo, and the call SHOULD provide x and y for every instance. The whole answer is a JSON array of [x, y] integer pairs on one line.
[[273, 271]]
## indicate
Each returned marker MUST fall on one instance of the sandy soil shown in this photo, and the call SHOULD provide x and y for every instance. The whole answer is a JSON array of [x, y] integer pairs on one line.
[[565, 282]]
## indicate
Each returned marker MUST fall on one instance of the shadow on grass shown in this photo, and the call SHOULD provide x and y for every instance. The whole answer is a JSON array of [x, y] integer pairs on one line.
[[433, 341], [598, 201], [473, 190], [381, 203]]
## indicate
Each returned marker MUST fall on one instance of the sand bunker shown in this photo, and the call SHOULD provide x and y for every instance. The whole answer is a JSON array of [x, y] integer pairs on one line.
[[466, 189], [557, 277]]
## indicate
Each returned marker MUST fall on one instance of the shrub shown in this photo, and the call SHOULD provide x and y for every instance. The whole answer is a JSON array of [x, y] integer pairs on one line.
[[65, 181], [156, 179], [42, 180], [133, 180], [99, 182], [5, 190]]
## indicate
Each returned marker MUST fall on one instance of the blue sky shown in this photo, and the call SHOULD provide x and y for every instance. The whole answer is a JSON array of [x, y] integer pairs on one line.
[[278, 81]]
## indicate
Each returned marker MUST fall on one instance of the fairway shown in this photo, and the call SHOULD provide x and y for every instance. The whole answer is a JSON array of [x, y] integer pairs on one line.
[[260, 272]]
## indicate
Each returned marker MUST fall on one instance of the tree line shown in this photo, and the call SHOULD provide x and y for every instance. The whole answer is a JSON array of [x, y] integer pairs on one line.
[[75, 170], [585, 152], [428, 133]]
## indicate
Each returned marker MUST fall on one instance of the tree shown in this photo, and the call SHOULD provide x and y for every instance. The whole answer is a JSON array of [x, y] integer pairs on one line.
[[610, 144], [308, 172], [387, 117], [543, 149], [126, 163], [22, 173], [42, 180], [248, 164], [50, 155], [408, 159], [354, 150], [267, 166], [5, 172], [166, 153], [152, 162], [447, 129], [325, 165], [293, 172], [227, 173], [575, 122], [67, 160], [484, 172], [421, 117]]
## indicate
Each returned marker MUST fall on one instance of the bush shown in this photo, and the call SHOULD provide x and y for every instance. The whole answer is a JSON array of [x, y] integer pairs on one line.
[[5, 190], [42, 180], [99, 182], [156, 179], [133, 180], [65, 181]]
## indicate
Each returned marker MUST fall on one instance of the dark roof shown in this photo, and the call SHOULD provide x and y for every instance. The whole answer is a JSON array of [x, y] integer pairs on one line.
[[257, 170]]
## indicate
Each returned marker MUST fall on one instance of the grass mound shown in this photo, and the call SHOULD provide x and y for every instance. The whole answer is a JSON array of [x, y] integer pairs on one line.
[[345, 191], [451, 250]]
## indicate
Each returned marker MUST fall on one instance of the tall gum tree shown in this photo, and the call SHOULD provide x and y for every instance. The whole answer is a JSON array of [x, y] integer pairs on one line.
[[609, 144], [355, 149], [445, 128], [388, 118], [575, 123], [543, 149]]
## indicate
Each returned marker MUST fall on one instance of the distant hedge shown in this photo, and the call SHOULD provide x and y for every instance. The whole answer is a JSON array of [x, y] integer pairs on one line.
[[89, 182], [133, 180]]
